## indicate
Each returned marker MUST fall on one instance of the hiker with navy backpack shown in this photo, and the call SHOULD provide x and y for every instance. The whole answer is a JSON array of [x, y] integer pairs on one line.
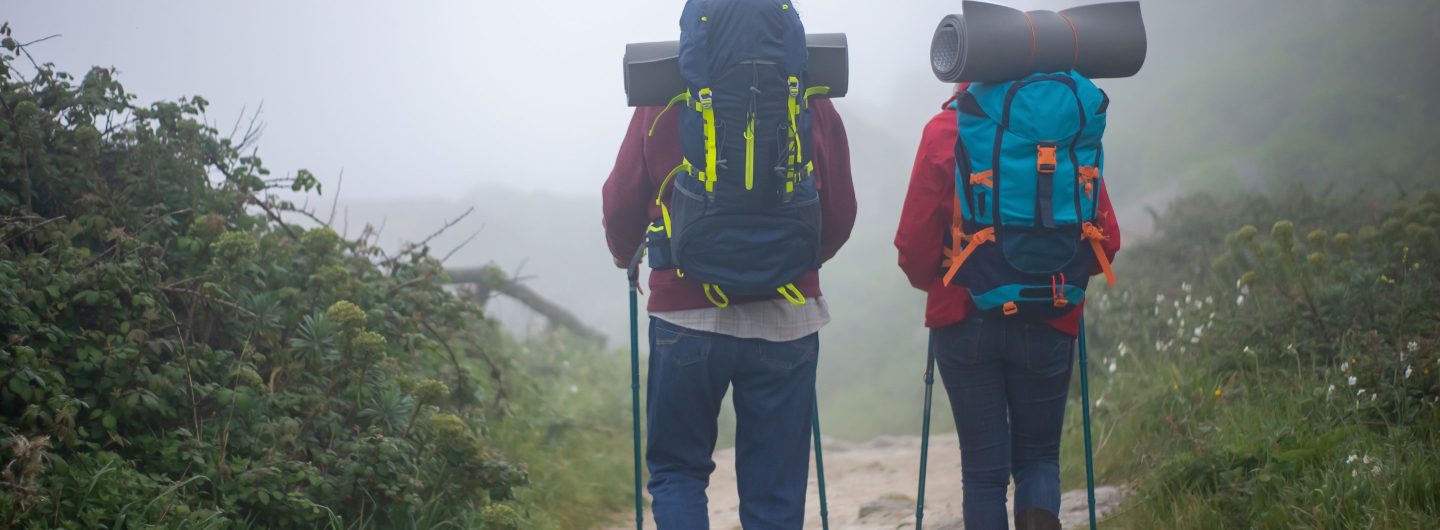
[[736, 192]]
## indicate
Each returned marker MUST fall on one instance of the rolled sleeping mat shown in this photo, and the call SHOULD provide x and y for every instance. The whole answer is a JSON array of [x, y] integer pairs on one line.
[[652, 69], [990, 43]]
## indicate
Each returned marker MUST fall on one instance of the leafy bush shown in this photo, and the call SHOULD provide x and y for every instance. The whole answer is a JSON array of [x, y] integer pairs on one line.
[[174, 355], [1277, 377]]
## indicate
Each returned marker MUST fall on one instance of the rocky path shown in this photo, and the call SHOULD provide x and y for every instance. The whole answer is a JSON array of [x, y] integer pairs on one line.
[[871, 486]]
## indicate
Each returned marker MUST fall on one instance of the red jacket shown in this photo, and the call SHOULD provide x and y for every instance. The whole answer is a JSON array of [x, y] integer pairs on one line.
[[927, 216], [645, 160]]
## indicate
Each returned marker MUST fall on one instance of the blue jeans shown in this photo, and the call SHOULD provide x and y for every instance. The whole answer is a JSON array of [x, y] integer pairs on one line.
[[774, 382], [1007, 380]]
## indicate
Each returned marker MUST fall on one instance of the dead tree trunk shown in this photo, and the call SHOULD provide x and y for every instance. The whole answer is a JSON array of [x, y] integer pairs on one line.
[[490, 279]]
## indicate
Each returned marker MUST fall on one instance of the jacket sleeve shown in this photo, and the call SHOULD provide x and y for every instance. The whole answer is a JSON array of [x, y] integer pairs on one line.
[[929, 203], [835, 182], [625, 193]]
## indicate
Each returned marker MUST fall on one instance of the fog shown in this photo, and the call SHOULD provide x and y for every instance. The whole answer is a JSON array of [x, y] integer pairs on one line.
[[516, 109], [431, 99]]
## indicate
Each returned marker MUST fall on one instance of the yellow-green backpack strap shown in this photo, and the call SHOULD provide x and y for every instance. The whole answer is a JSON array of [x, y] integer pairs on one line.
[[673, 101], [792, 293]]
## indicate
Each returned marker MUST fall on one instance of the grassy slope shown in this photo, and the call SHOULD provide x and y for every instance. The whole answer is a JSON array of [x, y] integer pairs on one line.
[[1222, 411]]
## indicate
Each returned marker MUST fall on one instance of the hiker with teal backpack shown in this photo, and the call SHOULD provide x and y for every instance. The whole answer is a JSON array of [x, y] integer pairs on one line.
[[736, 193], [1006, 219]]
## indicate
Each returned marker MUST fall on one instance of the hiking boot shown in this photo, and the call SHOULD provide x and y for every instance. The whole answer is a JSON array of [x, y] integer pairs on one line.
[[1036, 519]]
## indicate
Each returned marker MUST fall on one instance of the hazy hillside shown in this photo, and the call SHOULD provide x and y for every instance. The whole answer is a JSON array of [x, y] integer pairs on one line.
[[1235, 97]]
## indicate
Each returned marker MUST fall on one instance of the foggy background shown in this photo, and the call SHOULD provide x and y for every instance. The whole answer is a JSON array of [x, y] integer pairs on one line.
[[517, 108]]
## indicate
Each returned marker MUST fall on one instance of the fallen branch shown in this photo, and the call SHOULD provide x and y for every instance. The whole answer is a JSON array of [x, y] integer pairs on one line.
[[491, 278]]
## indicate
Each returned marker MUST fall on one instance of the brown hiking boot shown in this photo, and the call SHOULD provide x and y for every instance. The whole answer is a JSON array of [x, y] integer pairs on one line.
[[1036, 519]]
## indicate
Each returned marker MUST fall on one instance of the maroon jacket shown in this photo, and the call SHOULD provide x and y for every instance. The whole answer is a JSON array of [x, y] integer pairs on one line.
[[928, 214], [645, 160]]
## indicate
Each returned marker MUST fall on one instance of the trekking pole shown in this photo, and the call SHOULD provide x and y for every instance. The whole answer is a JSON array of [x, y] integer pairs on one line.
[[633, 275], [820, 467], [1085, 395], [925, 431]]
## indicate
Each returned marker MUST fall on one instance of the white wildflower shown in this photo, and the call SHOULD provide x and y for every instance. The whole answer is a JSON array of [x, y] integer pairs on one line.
[[1373, 396], [1413, 346], [1159, 299], [1200, 331], [1345, 367], [1170, 322], [1189, 300], [1353, 380], [1099, 402], [1185, 286], [1113, 366], [1360, 393], [1240, 300], [1352, 459], [1355, 473], [574, 389], [1330, 391], [1409, 371], [1375, 470], [1245, 290], [1210, 300], [1124, 349], [1194, 340]]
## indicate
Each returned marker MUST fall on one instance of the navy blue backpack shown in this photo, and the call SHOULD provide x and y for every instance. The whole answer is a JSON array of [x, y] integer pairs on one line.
[[743, 216], [1031, 164]]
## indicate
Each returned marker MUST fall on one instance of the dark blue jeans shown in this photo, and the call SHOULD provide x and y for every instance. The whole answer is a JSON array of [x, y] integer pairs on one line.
[[1007, 380], [774, 382]]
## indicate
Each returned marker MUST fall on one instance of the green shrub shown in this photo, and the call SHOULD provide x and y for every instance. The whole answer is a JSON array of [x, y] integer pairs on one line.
[[173, 355], [1290, 381]]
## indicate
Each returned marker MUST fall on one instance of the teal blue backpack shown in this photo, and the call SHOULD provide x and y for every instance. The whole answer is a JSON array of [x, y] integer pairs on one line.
[[1030, 166]]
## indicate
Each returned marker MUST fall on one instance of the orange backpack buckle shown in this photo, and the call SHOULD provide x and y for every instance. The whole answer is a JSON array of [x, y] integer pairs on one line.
[[1088, 176], [1011, 309], [1045, 158]]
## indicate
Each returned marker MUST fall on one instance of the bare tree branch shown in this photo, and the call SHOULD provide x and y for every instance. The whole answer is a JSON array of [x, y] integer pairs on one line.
[[492, 278], [443, 229], [335, 202], [463, 244]]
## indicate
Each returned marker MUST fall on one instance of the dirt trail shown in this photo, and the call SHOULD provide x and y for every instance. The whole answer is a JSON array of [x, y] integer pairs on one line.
[[871, 486]]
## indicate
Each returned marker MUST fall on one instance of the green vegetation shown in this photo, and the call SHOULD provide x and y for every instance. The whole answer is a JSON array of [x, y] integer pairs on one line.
[[1285, 377], [173, 355]]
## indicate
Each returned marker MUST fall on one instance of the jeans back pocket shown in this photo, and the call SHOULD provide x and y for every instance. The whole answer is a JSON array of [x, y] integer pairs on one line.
[[679, 346]]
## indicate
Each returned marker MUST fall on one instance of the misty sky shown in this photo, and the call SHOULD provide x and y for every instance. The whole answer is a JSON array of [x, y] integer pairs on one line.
[[437, 98]]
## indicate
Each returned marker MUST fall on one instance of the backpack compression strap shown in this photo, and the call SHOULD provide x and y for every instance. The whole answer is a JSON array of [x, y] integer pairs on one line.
[[962, 245], [972, 242], [1094, 235], [707, 110]]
